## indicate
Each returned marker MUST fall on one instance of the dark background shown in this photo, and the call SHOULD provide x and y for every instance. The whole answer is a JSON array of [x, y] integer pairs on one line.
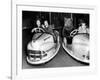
[[29, 18]]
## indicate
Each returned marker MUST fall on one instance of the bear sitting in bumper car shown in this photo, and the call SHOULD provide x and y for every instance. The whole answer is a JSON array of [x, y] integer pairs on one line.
[[79, 47]]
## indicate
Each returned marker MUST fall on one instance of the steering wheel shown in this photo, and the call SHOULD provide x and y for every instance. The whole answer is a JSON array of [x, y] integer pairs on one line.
[[74, 32], [37, 30]]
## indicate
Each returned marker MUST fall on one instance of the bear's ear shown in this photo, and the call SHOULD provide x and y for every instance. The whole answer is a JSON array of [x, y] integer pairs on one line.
[[65, 19]]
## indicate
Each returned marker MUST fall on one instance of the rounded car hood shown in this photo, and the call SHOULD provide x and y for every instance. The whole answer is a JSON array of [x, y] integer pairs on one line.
[[80, 45], [41, 41]]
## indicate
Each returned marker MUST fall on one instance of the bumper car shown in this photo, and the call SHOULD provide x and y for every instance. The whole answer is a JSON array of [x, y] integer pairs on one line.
[[42, 48], [79, 48]]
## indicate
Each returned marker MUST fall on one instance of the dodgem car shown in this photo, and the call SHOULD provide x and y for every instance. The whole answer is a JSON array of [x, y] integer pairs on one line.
[[43, 47], [79, 48]]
